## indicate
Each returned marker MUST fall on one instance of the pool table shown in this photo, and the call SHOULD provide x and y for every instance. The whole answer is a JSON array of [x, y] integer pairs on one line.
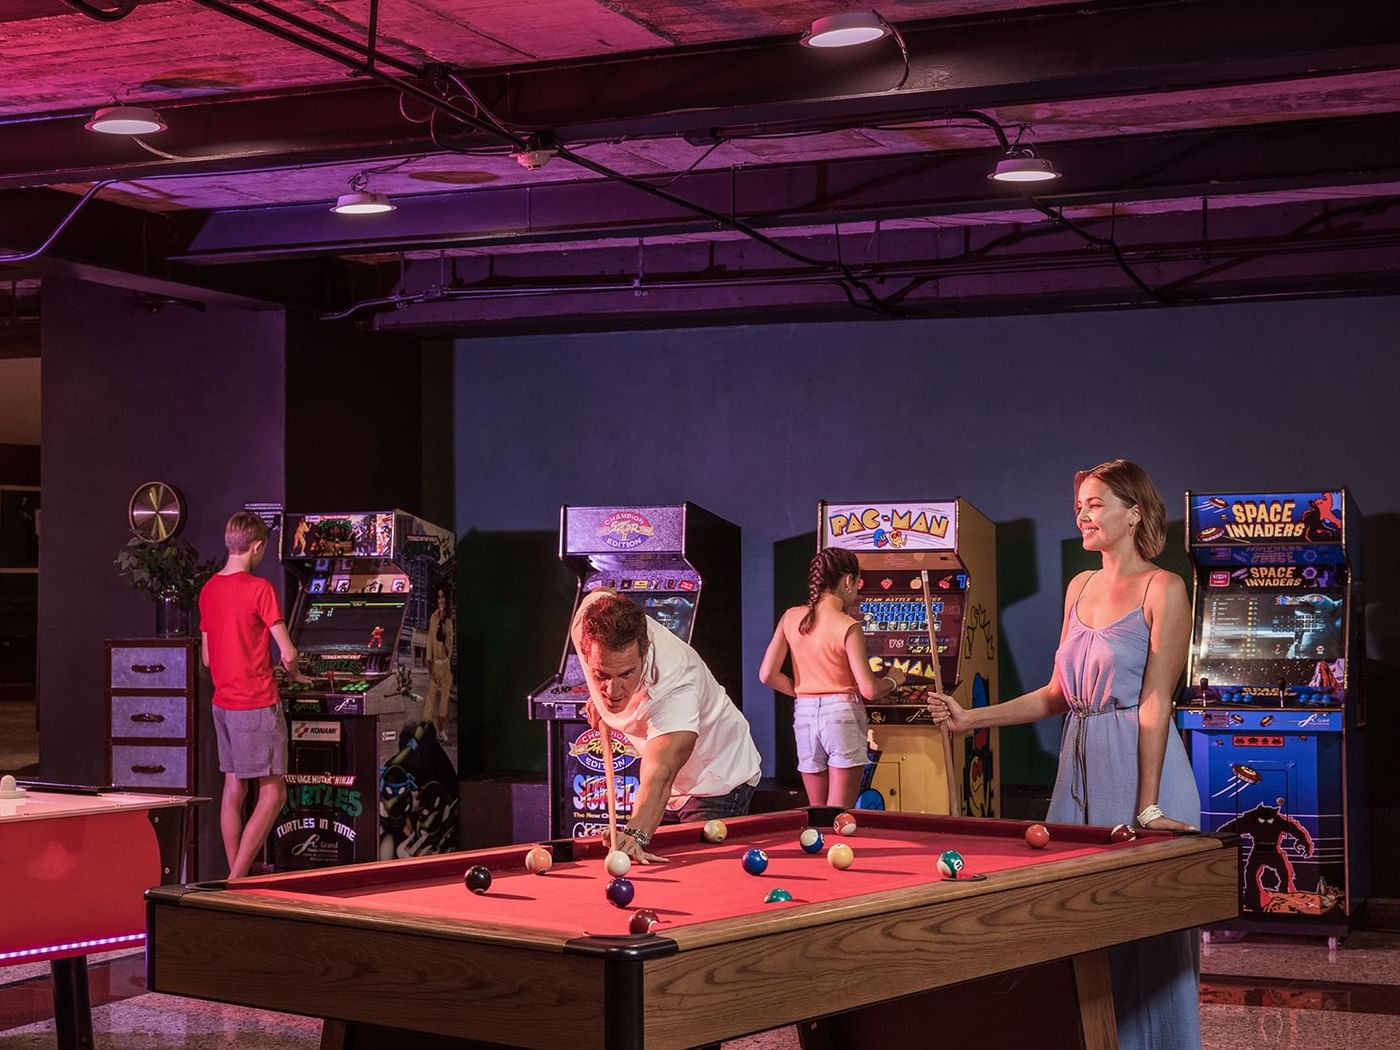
[[76, 863], [545, 961]]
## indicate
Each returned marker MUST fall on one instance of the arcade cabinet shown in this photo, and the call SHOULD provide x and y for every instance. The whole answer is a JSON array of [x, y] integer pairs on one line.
[[666, 559], [895, 543], [1273, 710], [373, 621]]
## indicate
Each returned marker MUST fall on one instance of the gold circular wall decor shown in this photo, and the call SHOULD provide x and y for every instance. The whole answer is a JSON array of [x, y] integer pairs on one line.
[[156, 512]]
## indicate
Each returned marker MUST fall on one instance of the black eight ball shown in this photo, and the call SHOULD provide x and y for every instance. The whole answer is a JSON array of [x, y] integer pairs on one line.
[[477, 879]]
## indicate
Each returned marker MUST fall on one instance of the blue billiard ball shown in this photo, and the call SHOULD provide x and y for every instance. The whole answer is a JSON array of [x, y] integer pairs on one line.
[[810, 840], [755, 862], [620, 892]]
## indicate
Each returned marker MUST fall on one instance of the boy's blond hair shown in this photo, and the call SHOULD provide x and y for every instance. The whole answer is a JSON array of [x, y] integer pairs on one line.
[[242, 531]]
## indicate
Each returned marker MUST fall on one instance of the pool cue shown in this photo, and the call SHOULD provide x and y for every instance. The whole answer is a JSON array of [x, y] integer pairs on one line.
[[609, 778], [954, 799]]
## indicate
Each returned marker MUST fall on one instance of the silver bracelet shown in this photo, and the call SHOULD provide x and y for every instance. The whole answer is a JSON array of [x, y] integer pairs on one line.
[[643, 839], [1148, 815], [893, 684]]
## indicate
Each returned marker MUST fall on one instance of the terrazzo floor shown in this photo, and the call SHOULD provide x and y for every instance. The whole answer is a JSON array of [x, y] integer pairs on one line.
[[1258, 992]]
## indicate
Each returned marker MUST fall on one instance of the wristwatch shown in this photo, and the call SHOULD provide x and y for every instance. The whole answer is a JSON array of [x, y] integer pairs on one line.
[[643, 839]]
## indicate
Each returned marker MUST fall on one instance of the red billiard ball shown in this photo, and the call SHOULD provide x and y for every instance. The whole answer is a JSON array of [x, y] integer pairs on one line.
[[620, 892], [642, 921], [1122, 833], [477, 879], [1037, 836], [844, 824]]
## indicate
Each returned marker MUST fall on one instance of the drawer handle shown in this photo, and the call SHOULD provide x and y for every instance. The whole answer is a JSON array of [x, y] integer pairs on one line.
[[149, 770], [147, 716], [148, 668]]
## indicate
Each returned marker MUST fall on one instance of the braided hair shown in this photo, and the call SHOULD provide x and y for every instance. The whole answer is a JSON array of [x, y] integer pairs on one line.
[[825, 572]]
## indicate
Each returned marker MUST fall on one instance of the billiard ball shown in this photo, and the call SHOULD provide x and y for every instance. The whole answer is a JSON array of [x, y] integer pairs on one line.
[[840, 856], [620, 892], [950, 864], [1121, 833], [1037, 836], [477, 879], [844, 824], [810, 840], [618, 863], [642, 921], [539, 860], [755, 861], [777, 896], [714, 831]]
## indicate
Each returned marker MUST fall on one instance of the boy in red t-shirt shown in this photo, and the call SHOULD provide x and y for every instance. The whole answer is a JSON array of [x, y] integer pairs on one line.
[[237, 610]]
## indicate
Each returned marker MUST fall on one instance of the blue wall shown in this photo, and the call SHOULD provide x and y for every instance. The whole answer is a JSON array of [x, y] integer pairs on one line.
[[758, 423]]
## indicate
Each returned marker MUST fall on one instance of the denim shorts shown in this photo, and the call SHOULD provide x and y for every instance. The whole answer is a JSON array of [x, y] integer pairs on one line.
[[252, 743], [830, 731]]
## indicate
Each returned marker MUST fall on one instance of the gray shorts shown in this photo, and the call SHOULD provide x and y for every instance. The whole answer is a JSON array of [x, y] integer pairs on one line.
[[252, 743], [830, 730]]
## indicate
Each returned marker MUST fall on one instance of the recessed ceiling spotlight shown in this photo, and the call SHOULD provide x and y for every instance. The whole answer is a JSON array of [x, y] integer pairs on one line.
[[126, 120], [1022, 165], [361, 203], [858, 27]]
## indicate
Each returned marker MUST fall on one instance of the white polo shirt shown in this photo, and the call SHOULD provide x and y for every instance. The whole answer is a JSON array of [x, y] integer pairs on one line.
[[679, 694]]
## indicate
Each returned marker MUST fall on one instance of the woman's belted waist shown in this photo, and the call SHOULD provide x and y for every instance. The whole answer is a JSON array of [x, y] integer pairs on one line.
[[1082, 710]]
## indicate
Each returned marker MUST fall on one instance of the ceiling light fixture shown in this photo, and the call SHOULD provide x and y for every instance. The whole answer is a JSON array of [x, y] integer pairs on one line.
[[1022, 165], [858, 27], [126, 120], [360, 203]]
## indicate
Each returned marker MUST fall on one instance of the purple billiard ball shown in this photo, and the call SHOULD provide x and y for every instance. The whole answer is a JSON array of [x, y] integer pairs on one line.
[[477, 879], [620, 892]]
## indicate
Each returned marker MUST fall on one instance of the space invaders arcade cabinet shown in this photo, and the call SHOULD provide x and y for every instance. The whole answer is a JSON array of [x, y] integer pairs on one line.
[[1273, 711], [680, 563], [367, 776]]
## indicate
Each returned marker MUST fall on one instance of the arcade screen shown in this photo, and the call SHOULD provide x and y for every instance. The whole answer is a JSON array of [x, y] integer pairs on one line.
[[896, 628], [675, 612], [359, 621], [1262, 637]]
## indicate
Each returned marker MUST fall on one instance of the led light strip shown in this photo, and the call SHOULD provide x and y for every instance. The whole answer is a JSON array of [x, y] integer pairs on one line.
[[100, 942]]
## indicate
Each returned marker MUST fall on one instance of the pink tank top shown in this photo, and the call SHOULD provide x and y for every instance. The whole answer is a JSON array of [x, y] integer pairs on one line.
[[819, 663]]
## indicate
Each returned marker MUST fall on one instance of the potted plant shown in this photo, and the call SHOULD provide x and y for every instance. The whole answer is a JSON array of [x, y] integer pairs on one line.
[[171, 574]]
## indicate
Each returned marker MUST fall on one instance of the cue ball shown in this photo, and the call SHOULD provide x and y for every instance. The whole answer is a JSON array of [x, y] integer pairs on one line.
[[642, 921], [1037, 836], [810, 840], [539, 860], [844, 824], [618, 863], [755, 862], [1121, 833], [620, 892], [477, 879], [840, 856], [714, 831], [950, 864]]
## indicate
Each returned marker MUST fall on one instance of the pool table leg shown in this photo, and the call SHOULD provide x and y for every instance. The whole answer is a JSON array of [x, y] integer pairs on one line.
[[1094, 988], [72, 1009]]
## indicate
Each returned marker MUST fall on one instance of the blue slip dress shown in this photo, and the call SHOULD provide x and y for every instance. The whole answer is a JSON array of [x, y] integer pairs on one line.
[[1155, 981]]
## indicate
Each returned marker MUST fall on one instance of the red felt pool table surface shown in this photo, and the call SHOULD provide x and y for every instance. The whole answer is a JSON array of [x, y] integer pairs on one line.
[[700, 882]]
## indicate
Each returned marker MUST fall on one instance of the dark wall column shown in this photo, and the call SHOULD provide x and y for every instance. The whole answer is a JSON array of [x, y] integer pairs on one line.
[[194, 398]]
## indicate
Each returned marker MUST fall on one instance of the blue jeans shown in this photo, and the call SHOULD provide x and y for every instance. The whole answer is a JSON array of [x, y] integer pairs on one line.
[[707, 807]]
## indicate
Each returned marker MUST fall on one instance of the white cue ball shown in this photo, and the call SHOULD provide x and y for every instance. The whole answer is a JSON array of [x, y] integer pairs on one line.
[[618, 864]]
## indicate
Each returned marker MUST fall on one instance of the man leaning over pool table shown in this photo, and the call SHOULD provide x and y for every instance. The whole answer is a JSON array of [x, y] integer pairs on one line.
[[698, 758]]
